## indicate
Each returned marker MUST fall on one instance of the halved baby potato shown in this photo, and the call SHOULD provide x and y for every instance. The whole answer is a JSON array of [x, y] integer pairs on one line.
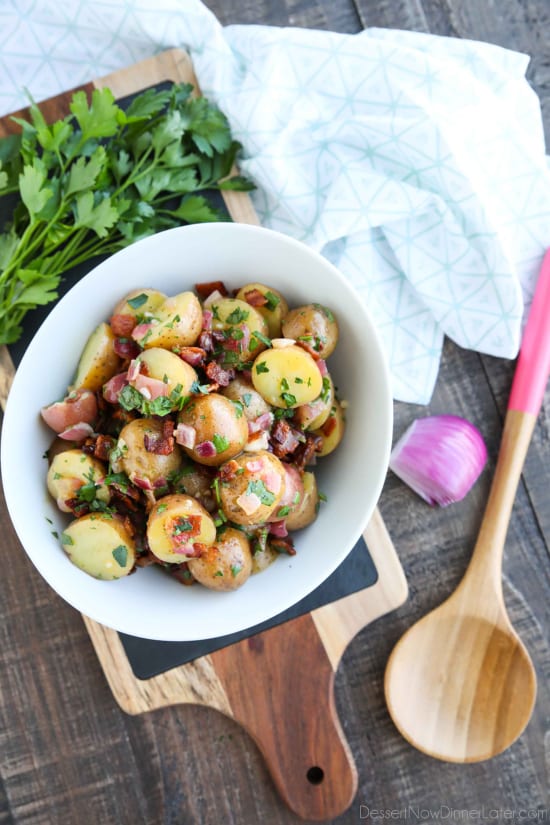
[[98, 361], [230, 316], [274, 308], [226, 564], [168, 367], [100, 545], [306, 510], [176, 523], [178, 323], [287, 377], [69, 471], [332, 430], [139, 303]]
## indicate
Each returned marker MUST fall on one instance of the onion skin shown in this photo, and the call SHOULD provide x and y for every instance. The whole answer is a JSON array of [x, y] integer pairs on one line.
[[440, 457]]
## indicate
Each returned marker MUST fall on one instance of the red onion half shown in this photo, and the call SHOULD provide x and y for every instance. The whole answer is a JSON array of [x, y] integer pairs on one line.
[[440, 457]]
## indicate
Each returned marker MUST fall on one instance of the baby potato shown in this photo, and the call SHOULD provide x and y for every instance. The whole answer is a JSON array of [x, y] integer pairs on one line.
[[196, 480], [314, 327], [287, 377], [306, 510], [251, 489], [98, 361], [226, 564], [176, 523], [140, 302], [272, 310], [168, 367], [311, 416], [332, 430], [100, 545], [220, 427], [178, 323], [241, 390], [230, 315], [292, 496], [144, 468], [69, 471]]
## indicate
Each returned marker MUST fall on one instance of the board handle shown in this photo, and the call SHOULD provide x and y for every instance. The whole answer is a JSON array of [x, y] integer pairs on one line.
[[280, 687]]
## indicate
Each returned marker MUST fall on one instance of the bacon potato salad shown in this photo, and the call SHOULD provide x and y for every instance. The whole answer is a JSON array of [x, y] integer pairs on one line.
[[190, 434]]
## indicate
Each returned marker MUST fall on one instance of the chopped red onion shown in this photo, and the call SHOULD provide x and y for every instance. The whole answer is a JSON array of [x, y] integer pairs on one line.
[[114, 386], [207, 317], [133, 369], [440, 457], [322, 366], [206, 449], [142, 483], [77, 432]]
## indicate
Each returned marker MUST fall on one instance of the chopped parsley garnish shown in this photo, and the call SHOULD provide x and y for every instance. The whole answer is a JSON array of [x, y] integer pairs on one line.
[[283, 511], [198, 388], [138, 301], [272, 300], [322, 497], [221, 443], [161, 508], [181, 525], [238, 408], [161, 405], [288, 398], [175, 320], [326, 312], [259, 489], [263, 338], [66, 539], [120, 555], [298, 380], [130, 399], [218, 573], [235, 569], [284, 384], [237, 316], [296, 498], [247, 398], [261, 367], [325, 392]]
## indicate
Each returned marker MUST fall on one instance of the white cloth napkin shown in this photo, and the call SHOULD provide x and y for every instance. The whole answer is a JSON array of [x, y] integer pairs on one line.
[[415, 163]]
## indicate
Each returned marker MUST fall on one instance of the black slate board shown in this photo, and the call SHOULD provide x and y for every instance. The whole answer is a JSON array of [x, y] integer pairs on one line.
[[149, 658]]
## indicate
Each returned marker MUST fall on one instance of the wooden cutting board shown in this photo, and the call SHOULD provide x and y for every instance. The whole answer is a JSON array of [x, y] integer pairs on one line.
[[279, 683]]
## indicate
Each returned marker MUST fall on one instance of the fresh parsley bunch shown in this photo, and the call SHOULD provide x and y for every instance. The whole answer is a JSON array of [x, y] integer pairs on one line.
[[100, 179]]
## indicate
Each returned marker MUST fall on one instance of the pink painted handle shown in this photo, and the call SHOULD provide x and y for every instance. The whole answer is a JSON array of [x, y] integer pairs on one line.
[[533, 367]]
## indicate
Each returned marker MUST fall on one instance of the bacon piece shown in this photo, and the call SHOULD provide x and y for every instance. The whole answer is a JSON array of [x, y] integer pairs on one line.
[[278, 529], [228, 471], [122, 325], [329, 425], [186, 435], [255, 298], [283, 545], [306, 452], [261, 423], [103, 446], [205, 288], [192, 355], [255, 465], [285, 439], [150, 387], [160, 443], [249, 503], [77, 407], [218, 374]]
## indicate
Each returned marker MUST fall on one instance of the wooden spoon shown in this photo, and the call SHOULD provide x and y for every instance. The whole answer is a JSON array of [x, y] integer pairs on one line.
[[459, 684]]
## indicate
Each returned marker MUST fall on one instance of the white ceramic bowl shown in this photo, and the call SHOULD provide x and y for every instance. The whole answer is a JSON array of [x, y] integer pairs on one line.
[[149, 603]]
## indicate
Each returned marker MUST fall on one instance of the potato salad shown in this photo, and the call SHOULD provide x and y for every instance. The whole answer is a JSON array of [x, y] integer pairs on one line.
[[190, 434]]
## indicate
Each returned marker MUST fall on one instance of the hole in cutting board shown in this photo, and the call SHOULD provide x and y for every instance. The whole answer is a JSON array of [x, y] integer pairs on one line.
[[315, 775]]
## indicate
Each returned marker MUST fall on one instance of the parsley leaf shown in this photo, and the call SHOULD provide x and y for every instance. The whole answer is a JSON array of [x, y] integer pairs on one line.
[[258, 487], [120, 555], [220, 442]]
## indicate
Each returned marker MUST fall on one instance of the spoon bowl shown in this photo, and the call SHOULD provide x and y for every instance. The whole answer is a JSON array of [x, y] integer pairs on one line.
[[459, 684], [477, 686]]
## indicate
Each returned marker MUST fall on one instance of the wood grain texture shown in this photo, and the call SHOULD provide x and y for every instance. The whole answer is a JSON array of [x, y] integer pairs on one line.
[[189, 766]]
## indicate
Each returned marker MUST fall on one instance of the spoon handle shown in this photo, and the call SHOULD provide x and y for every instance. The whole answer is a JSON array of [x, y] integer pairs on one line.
[[533, 367], [528, 386]]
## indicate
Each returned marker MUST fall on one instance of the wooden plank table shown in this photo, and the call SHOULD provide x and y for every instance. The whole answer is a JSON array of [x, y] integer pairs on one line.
[[69, 755]]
